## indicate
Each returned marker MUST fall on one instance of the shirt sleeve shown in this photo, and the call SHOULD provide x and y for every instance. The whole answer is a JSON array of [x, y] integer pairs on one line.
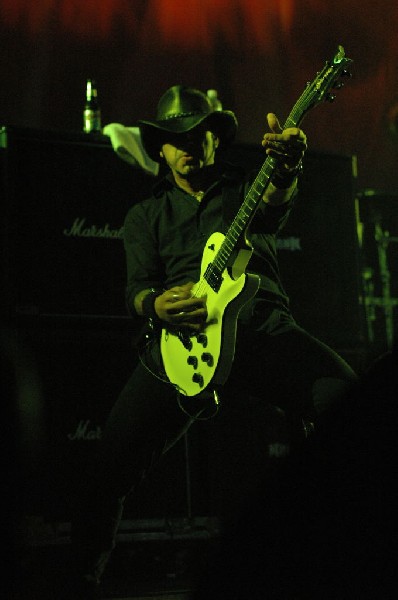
[[142, 262], [270, 219]]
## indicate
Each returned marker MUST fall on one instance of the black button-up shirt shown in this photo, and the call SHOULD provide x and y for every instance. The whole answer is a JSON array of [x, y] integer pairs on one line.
[[164, 236]]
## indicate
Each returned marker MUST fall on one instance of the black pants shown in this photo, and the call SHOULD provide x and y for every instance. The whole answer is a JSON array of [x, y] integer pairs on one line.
[[289, 369]]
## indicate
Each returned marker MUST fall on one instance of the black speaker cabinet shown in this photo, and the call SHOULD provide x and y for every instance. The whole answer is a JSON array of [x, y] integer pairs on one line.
[[319, 254], [65, 200], [318, 249], [65, 197], [81, 368]]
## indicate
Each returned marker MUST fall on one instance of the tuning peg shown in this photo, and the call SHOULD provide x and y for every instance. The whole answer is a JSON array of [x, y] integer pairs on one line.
[[345, 73], [330, 97], [338, 85]]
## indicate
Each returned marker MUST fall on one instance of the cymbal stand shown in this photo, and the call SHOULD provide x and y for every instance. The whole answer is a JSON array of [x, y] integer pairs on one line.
[[383, 239]]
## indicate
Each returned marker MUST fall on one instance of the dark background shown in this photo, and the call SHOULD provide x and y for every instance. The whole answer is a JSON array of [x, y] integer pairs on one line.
[[64, 294], [257, 54]]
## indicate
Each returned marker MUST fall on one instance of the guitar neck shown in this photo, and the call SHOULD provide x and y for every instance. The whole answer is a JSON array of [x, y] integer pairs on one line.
[[253, 198]]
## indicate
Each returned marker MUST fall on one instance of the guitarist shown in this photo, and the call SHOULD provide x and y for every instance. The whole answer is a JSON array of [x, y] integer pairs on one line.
[[276, 361]]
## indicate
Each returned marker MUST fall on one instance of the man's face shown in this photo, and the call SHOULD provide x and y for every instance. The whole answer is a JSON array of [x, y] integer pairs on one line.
[[187, 153]]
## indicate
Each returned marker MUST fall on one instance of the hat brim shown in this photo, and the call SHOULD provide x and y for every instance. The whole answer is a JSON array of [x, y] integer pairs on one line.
[[222, 123]]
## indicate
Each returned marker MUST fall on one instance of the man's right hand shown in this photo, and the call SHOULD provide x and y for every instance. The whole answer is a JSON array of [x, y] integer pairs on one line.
[[178, 307]]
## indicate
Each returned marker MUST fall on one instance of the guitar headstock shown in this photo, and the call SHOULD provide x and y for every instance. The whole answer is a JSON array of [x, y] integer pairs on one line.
[[339, 64], [321, 88]]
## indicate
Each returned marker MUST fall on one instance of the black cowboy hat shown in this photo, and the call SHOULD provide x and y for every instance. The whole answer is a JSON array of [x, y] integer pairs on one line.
[[180, 109]]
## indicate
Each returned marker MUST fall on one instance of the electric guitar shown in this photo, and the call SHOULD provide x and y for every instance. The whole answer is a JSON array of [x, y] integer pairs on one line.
[[193, 361]]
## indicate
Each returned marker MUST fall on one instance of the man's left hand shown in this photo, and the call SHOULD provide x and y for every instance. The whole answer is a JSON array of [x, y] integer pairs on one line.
[[287, 146]]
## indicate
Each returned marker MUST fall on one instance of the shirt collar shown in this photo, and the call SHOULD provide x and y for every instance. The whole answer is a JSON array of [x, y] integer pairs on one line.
[[229, 172]]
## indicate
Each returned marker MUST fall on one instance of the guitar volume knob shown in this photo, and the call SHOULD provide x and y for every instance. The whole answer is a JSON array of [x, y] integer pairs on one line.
[[208, 359], [202, 339], [198, 378], [193, 360]]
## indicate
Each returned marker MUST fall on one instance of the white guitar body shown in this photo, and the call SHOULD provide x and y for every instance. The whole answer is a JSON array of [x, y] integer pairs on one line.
[[193, 361]]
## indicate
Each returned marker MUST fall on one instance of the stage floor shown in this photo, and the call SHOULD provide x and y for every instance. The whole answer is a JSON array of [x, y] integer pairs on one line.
[[159, 560]]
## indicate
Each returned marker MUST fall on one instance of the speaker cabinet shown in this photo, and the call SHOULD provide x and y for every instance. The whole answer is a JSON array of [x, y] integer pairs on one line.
[[63, 271], [66, 199], [82, 369], [319, 254], [318, 249]]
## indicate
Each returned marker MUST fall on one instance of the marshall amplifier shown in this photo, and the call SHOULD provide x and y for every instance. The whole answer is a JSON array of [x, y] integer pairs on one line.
[[66, 196], [319, 254], [318, 249], [82, 369]]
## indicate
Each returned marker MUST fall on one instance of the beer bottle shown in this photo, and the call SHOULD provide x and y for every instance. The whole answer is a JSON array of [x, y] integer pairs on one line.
[[92, 112]]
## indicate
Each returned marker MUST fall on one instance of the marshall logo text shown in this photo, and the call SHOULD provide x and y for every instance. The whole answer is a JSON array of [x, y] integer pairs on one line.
[[289, 243], [80, 229], [86, 431]]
